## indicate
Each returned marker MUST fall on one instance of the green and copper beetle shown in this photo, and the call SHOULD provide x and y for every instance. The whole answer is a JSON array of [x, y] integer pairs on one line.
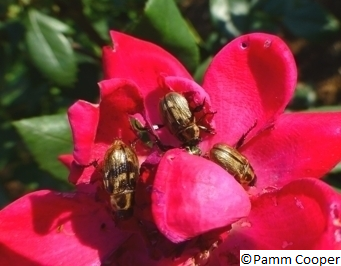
[[233, 162], [181, 122], [121, 170]]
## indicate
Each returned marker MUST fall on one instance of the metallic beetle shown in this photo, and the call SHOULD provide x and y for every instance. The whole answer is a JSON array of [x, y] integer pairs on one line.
[[181, 122], [121, 170], [233, 162]]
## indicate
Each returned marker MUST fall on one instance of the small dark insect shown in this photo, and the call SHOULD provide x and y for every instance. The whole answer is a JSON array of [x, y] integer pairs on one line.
[[121, 170], [181, 122], [143, 133], [146, 135]]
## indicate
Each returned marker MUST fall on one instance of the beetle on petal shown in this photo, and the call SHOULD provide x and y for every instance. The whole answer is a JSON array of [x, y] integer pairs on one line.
[[121, 169], [233, 162], [181, 122]]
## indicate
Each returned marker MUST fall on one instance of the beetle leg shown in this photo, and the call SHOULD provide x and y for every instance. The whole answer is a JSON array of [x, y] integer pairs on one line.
[[210, 131], [157, 141], [204, 115], [143, 132], [150, 128], [241, 141], [94, 163], [161, 146], [199, 107], [139, 127]]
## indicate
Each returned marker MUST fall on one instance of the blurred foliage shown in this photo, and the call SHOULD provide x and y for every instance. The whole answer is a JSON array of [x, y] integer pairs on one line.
[[50, 131], [302, 18], [50, 54], [54, 56]]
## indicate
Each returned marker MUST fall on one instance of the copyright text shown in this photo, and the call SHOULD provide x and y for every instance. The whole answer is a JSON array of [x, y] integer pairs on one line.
[[290, 257]]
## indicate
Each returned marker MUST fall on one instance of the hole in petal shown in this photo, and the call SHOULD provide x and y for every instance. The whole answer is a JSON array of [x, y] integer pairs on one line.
[[171, 158], [335, 211], [335, 214], [244, 45], [267, 43], [337, 235]]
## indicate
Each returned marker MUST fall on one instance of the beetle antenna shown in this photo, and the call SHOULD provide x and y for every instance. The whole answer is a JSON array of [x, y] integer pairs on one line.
[[199, 107], [241, 141], [203, 116]]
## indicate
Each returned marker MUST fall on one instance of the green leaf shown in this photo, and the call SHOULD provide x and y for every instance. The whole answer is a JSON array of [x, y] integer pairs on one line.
[[50, 50], [304, 97], [308, 19], [333, 180], [47, 137], [201, 69], [261, 21], [303, 18], [325, 108], [163, 24], [231, 16], [336, 169]]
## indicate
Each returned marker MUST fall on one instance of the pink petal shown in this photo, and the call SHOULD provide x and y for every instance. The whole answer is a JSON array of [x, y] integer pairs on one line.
[[187, 86], [83, 118], [7, 256], [49, 228], [119, 98], [66, 159], [250, 80], [299, 145], [139, 61], [192, 195], [79, 174], [305, 214], [83, 174]]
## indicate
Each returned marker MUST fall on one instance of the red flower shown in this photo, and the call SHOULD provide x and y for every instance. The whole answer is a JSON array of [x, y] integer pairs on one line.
[[188, 198]]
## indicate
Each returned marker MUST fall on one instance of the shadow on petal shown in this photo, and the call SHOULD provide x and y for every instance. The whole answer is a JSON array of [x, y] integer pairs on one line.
[[59, 228]]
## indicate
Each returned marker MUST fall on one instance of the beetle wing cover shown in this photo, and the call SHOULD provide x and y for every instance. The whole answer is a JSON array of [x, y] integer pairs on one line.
[[229, 159], [175, 112], [121, 168]]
